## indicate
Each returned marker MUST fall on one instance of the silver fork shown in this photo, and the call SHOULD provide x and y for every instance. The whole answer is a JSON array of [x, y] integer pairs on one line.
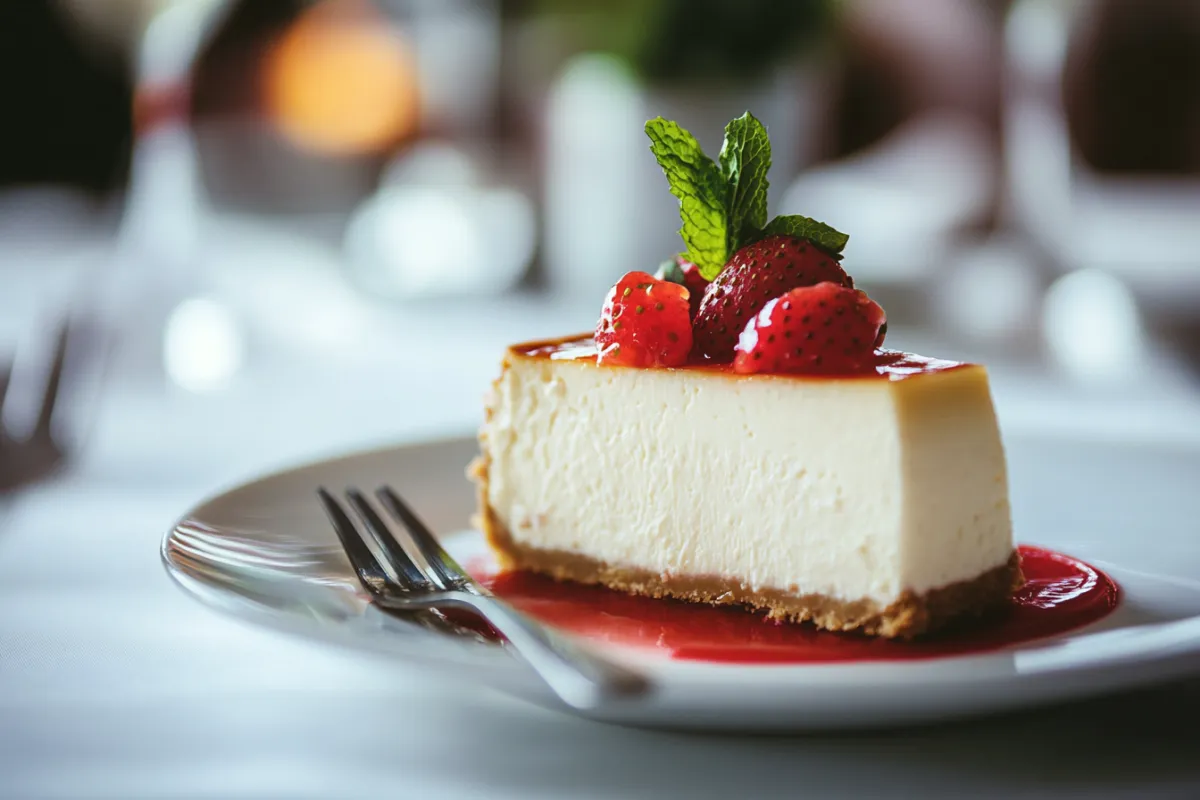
[[24, 459], [578, 676]]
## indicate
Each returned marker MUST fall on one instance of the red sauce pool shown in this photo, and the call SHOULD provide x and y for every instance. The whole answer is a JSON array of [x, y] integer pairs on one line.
[[1061, 593]]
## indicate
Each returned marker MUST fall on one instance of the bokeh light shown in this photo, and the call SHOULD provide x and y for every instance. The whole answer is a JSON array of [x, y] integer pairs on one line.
[[203, 346], [342, 80], [1092, 326], [990, 292]]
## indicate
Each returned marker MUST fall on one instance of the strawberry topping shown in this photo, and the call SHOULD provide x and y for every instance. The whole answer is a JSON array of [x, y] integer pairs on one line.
[[756, 274], [645, 322], [827, 329], [694, 281]]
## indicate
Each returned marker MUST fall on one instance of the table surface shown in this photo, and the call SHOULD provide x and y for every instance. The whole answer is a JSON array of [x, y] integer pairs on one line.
[[115, 684]]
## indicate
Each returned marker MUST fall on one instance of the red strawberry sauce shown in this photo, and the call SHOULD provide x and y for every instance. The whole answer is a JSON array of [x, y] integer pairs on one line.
[[890, 364], [1061, 594]]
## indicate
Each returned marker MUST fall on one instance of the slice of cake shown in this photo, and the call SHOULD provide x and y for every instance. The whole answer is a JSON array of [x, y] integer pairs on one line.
[[871, 502], [757, 447]]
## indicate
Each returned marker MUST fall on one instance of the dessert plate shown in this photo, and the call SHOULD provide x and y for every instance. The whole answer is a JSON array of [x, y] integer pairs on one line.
[[264, 552]]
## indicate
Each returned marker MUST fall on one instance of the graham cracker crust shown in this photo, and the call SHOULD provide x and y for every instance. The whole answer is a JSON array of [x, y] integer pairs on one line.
[[911, 615]]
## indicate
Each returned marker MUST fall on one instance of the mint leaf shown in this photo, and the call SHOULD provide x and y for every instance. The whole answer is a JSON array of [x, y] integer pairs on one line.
[[724, 208], [670, 270], [818, 233], [698, 183], [745, 159]]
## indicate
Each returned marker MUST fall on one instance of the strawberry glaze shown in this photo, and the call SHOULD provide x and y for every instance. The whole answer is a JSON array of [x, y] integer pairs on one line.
[[1060, 595], [889, 364]]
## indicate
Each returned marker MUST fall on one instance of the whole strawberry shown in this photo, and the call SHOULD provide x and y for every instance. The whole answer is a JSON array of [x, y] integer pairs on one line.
[[754, 275], [827, 328], [645, 322]]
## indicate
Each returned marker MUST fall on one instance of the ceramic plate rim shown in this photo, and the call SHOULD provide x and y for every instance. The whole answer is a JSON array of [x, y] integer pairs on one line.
[[1134, 655]]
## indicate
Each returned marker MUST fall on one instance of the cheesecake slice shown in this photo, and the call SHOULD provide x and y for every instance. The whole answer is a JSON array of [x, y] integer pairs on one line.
[[874, 502]]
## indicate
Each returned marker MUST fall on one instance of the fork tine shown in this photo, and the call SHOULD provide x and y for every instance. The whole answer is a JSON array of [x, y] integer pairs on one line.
[[5, 379], [407, 572], [448, 572], [53, 382], [366, 567], [581, 678]]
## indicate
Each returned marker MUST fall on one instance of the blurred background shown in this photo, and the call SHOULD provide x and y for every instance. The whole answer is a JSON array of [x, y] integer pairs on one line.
[[230, 190], [238, 234]]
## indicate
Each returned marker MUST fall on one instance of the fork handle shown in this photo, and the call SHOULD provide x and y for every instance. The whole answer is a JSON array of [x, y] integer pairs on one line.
[[580, 677]]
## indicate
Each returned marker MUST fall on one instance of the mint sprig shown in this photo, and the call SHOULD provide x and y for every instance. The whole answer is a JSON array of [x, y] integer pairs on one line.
[[724, 208], [697, 181], [745, 158]]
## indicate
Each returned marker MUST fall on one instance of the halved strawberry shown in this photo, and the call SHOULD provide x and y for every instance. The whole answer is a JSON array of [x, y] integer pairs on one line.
[[825, 328], [678, 269], [694, 281], [645, 322], [757, 273]]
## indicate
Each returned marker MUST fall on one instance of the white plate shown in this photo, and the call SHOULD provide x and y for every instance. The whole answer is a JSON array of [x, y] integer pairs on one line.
[[265, 552]]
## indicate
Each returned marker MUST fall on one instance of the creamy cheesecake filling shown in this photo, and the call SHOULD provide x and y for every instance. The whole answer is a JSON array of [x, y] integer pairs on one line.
[[852, 489]]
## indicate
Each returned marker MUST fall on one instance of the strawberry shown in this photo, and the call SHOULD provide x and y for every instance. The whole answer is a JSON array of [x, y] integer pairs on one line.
[[678, 269], [645, 322], [757, 273], [694, 281], [825, 328]]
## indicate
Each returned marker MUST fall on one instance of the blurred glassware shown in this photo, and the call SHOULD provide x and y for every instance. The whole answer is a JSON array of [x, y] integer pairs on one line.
[[164, 37], [606, 206], [457, 50], [203, 347], [342, 81], [906, 198], [156, 262], [447, 219], [437, 226], [249, 174], [1093, 329], [343, 86], [364, 104], [298, 107], [988, 295], [594, 154], [1131, 218]]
